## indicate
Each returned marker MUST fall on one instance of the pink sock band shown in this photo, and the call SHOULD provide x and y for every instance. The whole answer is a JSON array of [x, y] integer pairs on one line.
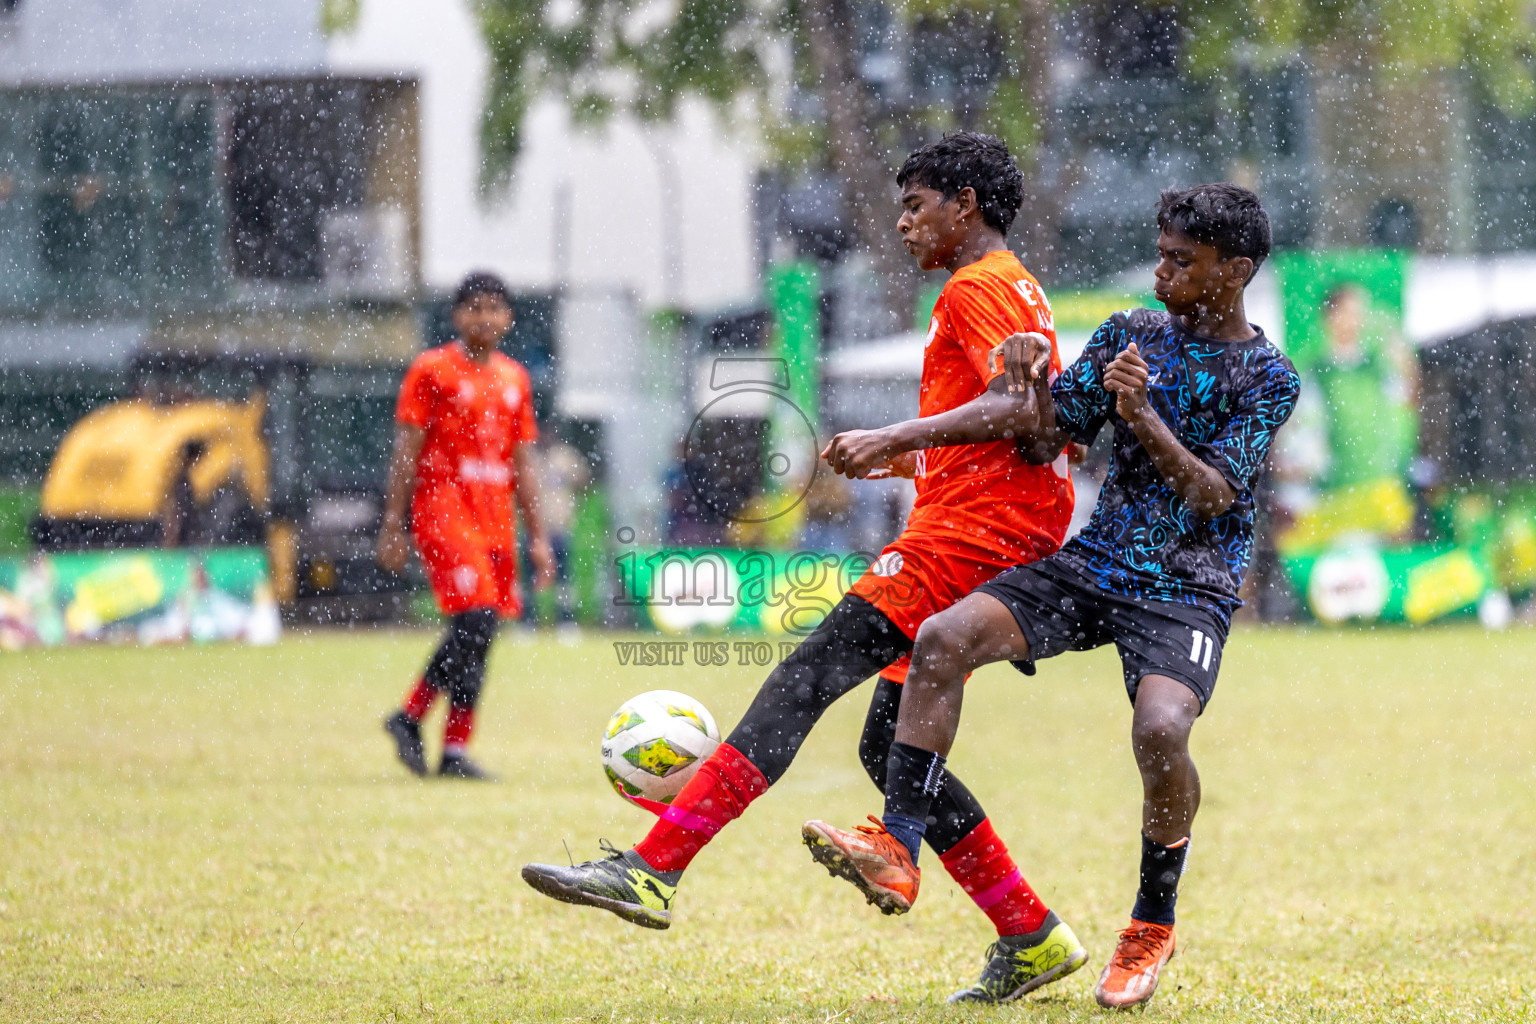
[[692, 822], [993, 895]]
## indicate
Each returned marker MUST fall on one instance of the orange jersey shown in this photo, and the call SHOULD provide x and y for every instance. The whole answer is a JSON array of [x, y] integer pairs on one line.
[[985, 495], [474, 415]]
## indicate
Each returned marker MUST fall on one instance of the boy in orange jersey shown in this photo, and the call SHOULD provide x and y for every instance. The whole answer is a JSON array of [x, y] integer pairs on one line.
[[463, 450], [979, 505]]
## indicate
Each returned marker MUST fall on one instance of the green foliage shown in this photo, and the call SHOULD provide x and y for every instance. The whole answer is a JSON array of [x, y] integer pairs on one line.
[[606, 55], [795, 145], [1013, 118], [339, 15], [1491, 40], [17, 507], [520, 45]]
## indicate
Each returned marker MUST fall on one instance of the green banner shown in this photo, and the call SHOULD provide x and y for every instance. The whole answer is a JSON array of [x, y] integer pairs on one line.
[[715, 590], [1309, 279], [794, 295], [1344, 332], [1415, 585], [142, 596]]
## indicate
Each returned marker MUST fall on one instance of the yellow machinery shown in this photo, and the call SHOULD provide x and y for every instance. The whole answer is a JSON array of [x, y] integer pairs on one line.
[[121, 463], [295, 466]]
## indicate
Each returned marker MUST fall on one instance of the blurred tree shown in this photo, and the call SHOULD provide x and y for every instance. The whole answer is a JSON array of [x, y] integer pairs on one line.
[[1390, 85], [339, 15], [849, 86], [1491, 39], [833, 84]]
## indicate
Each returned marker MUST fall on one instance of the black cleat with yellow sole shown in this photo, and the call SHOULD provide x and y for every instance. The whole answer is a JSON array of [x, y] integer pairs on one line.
[[1019, 964], [621, 883]]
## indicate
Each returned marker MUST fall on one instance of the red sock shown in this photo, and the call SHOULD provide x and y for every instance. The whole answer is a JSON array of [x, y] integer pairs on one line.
[[419, 701], [981, 864], [726, 782], [461, 722]]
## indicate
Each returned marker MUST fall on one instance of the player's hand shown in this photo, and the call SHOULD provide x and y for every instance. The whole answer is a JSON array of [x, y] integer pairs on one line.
[[856, 453], [1126, 376], [543, 557], [1023, 360], [393, 547], [903, 465]]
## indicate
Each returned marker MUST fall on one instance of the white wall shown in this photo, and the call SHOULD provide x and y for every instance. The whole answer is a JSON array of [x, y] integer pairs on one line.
[[57, 41], [586, 208], [1444, 296]]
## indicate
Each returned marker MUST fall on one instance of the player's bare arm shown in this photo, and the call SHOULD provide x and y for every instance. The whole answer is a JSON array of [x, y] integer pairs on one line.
[[393, 546], [539, 549], [1205, 490], [993, 415], [903, 465]]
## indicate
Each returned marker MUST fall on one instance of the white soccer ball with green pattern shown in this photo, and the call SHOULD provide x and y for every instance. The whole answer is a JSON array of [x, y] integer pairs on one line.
[[655, 742]]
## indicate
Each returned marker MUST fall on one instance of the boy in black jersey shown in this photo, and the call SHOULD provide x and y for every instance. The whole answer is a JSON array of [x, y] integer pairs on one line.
[[1196, 395]]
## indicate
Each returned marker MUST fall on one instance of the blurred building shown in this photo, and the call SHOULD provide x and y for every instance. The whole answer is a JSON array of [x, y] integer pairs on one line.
[[1343, 153], [301, 180], [613, 224], [189, 179], [217, 180], [664, 212]]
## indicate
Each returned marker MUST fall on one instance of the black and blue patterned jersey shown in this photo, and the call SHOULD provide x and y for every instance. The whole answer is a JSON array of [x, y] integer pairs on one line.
[[1225, 401]]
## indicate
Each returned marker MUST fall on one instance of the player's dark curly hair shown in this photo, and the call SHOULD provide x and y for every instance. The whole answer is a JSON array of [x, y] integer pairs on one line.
[[481, 282], [974, 160], [1222, 214]]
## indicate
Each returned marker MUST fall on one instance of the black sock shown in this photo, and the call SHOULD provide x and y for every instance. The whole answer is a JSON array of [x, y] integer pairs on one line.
[[458, 667], [913, 777], [1161, 867]]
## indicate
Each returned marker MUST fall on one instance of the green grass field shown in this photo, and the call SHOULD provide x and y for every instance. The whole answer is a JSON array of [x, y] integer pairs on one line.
[[221, 834]]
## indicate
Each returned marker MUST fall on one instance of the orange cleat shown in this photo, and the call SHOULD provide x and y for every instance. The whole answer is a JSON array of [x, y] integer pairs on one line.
[[1130, 977], [871, 858]]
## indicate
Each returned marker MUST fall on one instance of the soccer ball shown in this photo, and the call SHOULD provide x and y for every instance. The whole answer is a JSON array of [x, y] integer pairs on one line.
[[654, 743]]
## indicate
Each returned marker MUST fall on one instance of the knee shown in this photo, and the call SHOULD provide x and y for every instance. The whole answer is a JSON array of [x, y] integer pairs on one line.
[[1160, 730], [944, 647]]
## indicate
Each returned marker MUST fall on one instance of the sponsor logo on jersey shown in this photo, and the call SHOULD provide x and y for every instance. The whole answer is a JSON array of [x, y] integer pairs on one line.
[[485, 471]]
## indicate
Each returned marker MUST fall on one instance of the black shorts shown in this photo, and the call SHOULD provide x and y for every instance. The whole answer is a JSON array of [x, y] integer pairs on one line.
[[1060, 609]]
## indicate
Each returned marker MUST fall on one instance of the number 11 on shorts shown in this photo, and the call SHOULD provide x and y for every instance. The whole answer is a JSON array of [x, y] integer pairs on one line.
[[1201, 643]]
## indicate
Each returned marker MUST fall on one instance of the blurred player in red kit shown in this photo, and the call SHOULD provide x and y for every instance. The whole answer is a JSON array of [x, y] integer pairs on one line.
[[464, 448]]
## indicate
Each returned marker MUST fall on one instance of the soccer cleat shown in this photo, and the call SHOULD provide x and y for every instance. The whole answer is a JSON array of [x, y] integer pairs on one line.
[[461, 767], [1019, 964], [1130, 977], [871, 858], [406, 732], [621, 882]]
